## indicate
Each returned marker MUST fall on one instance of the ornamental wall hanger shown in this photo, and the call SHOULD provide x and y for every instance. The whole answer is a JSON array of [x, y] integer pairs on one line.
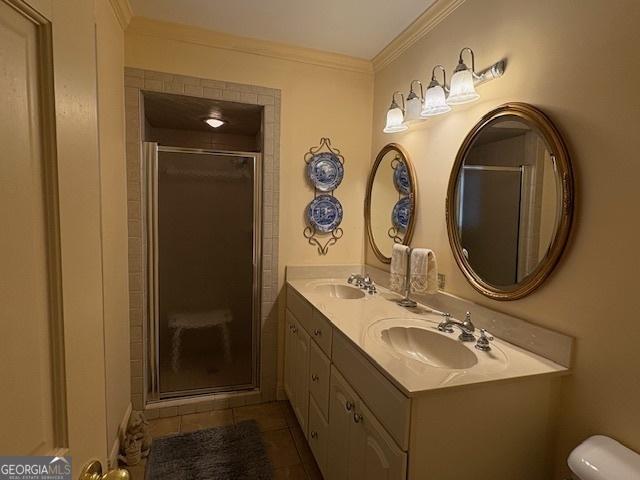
[[325, 171]]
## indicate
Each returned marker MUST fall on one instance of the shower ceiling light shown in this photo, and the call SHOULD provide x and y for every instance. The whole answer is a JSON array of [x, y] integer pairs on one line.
[[215, 122]]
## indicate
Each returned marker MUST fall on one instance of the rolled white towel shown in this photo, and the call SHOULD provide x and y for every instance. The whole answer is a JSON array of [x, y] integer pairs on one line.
[[398, 272], [424, 271]]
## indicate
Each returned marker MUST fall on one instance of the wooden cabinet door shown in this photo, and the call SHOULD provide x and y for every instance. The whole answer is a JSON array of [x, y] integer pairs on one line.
[[341, 404]]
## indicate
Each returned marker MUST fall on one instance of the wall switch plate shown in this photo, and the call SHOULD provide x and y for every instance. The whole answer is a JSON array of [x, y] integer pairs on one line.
[[441, 281]]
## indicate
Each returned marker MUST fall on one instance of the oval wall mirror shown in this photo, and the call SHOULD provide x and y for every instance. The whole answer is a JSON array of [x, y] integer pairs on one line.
[[390, 204], [510, 201]]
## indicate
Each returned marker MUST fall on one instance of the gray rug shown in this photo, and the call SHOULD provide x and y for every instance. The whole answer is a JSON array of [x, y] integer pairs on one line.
[[232, 452]]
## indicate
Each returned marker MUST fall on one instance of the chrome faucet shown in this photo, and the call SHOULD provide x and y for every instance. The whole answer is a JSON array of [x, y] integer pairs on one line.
[[356, 279], [467, 327], [368, 285], [364, 282]]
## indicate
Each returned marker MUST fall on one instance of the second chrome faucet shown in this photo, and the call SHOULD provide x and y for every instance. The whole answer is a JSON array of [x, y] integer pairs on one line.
[[467, 328]]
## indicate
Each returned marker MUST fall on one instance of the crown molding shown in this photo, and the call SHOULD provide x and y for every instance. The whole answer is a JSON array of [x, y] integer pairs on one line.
[[209, 38], [426, 22], [123, 11]]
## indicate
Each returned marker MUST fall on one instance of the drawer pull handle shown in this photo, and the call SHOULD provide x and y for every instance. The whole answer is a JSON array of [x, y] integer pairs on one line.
[[294, 329], [315, 377], [348, 405], [357, 418], [317, 332], [314, 435]]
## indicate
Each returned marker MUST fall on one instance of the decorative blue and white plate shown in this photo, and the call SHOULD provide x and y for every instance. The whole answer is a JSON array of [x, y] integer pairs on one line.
[[401, 178], [324, 213], [325, 171], [401, 214]]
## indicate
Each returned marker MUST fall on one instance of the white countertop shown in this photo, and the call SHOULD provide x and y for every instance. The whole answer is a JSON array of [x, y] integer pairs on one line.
[[362, 320]]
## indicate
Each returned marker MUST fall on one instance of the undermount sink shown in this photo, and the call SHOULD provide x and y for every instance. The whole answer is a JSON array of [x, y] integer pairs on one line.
[[429, 347], [339, 291]]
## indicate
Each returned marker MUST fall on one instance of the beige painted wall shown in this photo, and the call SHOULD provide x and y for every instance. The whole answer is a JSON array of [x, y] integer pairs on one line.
[[113, 183], [578, 62], [317, 101]]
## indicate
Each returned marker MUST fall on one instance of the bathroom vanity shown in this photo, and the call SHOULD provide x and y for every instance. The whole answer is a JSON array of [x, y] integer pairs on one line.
[[381, 393]]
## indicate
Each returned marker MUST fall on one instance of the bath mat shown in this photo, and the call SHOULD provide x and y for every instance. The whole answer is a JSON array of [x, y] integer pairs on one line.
[[234, 452]]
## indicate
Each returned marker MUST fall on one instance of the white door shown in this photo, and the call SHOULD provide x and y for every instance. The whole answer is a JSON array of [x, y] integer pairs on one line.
[[373, 454], [51, 347], [289, 353], [301, 375], [29, 310], [341, 405]]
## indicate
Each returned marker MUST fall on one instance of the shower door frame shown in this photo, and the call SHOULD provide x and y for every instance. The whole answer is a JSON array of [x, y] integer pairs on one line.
[[152, 356]]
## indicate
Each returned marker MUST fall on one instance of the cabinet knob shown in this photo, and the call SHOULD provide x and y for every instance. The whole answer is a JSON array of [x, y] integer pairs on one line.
[[315, 377], [348, 405], [357, 418], [314, 435], [317, 332], [294, 329]]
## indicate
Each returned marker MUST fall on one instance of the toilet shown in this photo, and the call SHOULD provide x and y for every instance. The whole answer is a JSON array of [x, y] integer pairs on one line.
[[603, 458]]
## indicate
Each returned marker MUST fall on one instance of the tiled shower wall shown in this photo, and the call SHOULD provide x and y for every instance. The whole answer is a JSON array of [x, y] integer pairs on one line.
[[136, 82]]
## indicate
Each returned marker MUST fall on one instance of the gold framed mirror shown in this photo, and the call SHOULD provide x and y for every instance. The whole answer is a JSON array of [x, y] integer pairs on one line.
[[510, 201], [390, 203]]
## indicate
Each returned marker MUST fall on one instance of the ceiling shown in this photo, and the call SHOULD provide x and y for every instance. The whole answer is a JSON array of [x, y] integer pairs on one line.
[[352, 27], [179, 112]]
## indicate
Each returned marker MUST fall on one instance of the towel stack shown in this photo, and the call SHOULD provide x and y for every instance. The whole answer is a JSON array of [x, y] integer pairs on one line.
[[423, 277]]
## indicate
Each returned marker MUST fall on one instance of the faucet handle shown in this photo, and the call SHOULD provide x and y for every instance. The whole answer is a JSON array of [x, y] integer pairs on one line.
[[483, 341], [444, 326], [468, 323]]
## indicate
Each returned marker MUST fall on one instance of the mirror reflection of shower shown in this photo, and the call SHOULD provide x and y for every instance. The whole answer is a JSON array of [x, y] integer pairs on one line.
[[203, 245]]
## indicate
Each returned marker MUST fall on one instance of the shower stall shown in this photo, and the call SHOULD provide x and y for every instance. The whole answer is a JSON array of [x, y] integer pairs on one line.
[[203, 219]]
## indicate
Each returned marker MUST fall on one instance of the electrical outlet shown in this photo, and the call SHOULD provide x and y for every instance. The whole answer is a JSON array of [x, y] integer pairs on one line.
[[441, 281]]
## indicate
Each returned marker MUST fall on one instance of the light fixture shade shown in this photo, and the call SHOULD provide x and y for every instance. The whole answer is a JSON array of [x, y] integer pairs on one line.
[[214, 122], [395, 120], [462, 88], [435, 102], [414, 107]]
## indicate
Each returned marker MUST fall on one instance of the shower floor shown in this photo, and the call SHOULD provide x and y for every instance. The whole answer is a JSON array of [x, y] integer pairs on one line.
[[197, 373]]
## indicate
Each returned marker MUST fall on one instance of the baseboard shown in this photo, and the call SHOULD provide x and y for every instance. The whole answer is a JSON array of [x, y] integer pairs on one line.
[[115, 448]]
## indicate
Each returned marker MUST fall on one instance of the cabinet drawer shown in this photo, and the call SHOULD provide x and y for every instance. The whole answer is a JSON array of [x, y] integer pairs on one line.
[[319, 371], [321, 331], [318, 436], [300, 308], [387, 403]]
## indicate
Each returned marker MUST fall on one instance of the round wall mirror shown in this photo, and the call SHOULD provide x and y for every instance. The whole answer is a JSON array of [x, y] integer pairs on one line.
[[510, 201], [390, 205]]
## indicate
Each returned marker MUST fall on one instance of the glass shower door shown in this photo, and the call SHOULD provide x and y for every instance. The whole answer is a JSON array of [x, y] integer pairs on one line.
[[206, 270]]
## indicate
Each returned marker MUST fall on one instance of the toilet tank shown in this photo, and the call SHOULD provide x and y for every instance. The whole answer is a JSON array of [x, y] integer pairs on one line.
[[603, 458]]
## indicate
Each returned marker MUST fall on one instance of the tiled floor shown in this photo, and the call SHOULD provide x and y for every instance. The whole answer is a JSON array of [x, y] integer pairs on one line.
[[283, 438]]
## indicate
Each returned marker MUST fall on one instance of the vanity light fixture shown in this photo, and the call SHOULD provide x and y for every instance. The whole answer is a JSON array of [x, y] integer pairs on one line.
[[395, 116], [414, 104], [214, 122], [463, 89], [435, 101]]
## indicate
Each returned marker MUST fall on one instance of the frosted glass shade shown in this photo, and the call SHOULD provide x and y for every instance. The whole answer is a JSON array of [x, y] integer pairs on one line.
[[214, 122], [395, 121], [435, 102], [462, 88], [414, 107]]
